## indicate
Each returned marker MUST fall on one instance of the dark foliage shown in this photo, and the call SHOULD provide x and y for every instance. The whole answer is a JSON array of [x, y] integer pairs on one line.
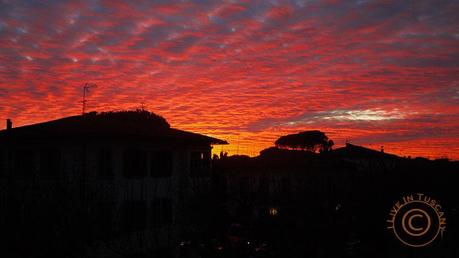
[[311, 141], [139, 115]]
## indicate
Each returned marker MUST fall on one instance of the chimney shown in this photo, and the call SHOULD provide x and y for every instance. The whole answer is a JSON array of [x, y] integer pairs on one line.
[[9, 124]]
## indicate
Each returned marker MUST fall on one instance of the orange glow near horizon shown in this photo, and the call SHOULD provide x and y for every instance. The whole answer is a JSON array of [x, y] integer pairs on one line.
[[370, 73]]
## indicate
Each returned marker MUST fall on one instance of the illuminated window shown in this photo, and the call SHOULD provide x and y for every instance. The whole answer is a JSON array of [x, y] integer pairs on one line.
[[200, 163], [273, 211]]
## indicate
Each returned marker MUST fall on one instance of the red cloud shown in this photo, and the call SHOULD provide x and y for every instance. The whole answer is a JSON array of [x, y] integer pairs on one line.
[[375, 74]]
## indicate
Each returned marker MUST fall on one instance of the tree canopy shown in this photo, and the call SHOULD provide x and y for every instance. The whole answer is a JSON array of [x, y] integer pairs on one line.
[[312, 141], [138, 115]]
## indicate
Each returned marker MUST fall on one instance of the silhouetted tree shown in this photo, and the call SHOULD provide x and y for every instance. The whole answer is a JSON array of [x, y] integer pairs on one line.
[[308, 141], [138, 115]]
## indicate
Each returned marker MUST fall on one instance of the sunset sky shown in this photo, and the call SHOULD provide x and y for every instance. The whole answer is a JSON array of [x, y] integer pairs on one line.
[[369, 72]]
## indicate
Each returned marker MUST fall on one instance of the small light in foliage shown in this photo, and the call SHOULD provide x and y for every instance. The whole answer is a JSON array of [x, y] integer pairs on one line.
[[273, 211]]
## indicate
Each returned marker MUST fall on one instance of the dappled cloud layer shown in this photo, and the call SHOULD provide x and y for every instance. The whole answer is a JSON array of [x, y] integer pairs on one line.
[[368, 72]]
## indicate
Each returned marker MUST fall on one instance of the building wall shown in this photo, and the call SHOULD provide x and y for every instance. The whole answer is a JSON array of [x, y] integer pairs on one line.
[[118, 209]]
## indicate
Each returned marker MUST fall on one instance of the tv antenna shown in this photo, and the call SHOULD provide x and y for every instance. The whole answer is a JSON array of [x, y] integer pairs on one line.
[[86, 88], [142, 106]]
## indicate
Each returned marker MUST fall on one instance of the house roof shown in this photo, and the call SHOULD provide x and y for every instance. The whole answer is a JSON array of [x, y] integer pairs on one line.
[[283, 162], [355, 151], [125, 125]]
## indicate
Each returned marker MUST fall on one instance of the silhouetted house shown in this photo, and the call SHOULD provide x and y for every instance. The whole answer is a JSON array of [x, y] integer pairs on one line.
[[286, 180], [375, 165], [363, 156], [333, 200], [121, 178], [289, 181]]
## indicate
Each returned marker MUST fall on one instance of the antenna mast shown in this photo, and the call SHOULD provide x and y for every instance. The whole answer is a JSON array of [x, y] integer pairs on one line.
[[86, 88]]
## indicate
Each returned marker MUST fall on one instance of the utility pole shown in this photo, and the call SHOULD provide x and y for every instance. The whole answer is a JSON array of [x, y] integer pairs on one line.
[[86, 88]]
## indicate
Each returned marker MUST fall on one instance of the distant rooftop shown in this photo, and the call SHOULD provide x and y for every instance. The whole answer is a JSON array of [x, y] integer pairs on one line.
[[355, 151], [139, 124]]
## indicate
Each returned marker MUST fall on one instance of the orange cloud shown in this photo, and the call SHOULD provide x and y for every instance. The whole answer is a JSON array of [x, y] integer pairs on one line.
[[374, 73]]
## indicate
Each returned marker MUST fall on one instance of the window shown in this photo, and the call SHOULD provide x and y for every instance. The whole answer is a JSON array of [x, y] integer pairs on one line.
[[161, 212], [49, 163], [134, 216], [161, 164], [134, 163], [104, 218], [24, 163], [3, 161], [285, 186], [163, 252], [105, 163], [199, 163], [244, 185], [263, 187]]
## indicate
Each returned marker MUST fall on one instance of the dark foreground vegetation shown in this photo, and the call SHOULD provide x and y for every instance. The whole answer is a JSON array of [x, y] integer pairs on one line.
[[333, 204]]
